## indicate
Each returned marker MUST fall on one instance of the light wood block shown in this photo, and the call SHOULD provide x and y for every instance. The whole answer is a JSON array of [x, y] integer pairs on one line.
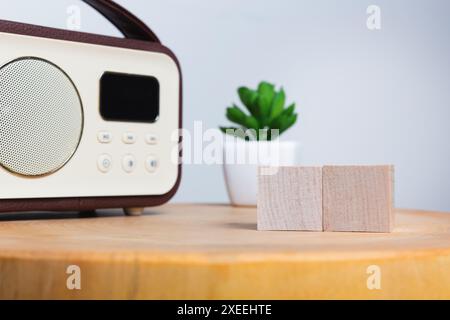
[[358, 198], [290, 199], [194, 251]]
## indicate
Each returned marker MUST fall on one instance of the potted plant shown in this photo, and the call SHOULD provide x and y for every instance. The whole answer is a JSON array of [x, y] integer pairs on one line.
[[253, 140]]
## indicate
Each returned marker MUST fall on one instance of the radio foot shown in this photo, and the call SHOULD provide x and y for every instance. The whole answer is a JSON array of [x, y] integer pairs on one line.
[[87, 214], [133, 212]]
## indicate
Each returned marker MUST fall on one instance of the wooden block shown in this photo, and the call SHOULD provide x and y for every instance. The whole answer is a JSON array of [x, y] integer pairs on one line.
[[358, 198], [290, 199]]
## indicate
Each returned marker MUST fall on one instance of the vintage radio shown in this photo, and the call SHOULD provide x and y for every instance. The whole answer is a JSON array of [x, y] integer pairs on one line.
[[87, 121]]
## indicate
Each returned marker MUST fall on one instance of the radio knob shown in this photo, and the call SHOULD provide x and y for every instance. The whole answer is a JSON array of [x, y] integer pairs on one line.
[[104, 137], [151, 139], [129, 138], [151, 164], [129, 163], [104, 163]]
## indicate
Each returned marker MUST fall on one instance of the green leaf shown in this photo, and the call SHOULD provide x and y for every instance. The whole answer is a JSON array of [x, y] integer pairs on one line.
[[251, 123], [266, 94], [276, 123], [236, 115], [248, 98], [288, 122], [239, 133], [283, 122], [265, 88], [233, 131], [224, 129], [289, 110], [278, 104]]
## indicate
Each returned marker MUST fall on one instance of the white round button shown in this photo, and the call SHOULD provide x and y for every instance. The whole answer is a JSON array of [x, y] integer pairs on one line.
[[104, 137], [104, 163], [151, 163], [129, 138], [151, 139], [129, 163]]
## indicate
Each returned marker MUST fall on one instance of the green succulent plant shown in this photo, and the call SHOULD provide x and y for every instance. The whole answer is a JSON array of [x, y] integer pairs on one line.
[[266, 111]]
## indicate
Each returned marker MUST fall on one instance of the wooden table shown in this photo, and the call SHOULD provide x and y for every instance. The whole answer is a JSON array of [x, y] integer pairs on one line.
[[215, 252]]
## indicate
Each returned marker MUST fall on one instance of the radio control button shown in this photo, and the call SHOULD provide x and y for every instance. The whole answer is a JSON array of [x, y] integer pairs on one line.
[[104, 163], [104, 137], [129, 163], [129, 138], [151, 164], [151, 139]]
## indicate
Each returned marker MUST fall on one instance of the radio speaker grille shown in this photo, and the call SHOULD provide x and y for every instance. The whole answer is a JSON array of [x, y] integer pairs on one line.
[[41, 117]]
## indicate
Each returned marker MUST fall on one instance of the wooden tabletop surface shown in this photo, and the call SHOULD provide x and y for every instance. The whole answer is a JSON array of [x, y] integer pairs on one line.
[[214, 252]]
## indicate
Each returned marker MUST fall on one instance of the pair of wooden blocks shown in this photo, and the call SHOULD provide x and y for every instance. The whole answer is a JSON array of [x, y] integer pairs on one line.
[[330, 198]]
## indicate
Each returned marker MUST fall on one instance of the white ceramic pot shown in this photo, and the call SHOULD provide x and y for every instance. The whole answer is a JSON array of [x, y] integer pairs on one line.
[[241, 161]]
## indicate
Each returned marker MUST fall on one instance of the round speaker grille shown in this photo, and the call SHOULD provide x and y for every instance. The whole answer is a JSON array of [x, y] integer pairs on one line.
[[41, 117]]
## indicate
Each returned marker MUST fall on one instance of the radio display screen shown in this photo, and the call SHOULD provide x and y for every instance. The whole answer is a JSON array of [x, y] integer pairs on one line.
[[129, 98]]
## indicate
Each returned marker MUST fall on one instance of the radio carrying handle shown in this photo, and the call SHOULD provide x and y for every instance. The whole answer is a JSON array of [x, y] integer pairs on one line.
[[127, 23]]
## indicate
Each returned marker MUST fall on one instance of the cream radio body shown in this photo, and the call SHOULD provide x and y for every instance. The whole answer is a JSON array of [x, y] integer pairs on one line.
[[86, 121]]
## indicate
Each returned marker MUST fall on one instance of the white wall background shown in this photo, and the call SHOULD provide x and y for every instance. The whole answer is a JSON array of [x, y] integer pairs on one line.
[[363, 96]]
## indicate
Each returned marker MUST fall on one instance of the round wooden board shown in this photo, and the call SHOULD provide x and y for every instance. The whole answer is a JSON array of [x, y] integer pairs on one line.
[[215, 252]]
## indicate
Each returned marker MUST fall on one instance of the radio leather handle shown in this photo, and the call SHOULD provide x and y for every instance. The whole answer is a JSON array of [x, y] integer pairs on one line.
[[127, 23]]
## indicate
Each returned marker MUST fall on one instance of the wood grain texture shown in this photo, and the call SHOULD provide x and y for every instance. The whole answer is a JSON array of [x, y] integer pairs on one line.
[[215, 252], [358, 198], [290, 198]]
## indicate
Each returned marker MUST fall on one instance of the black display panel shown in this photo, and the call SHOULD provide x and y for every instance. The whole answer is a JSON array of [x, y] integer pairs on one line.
[[129, 98]]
